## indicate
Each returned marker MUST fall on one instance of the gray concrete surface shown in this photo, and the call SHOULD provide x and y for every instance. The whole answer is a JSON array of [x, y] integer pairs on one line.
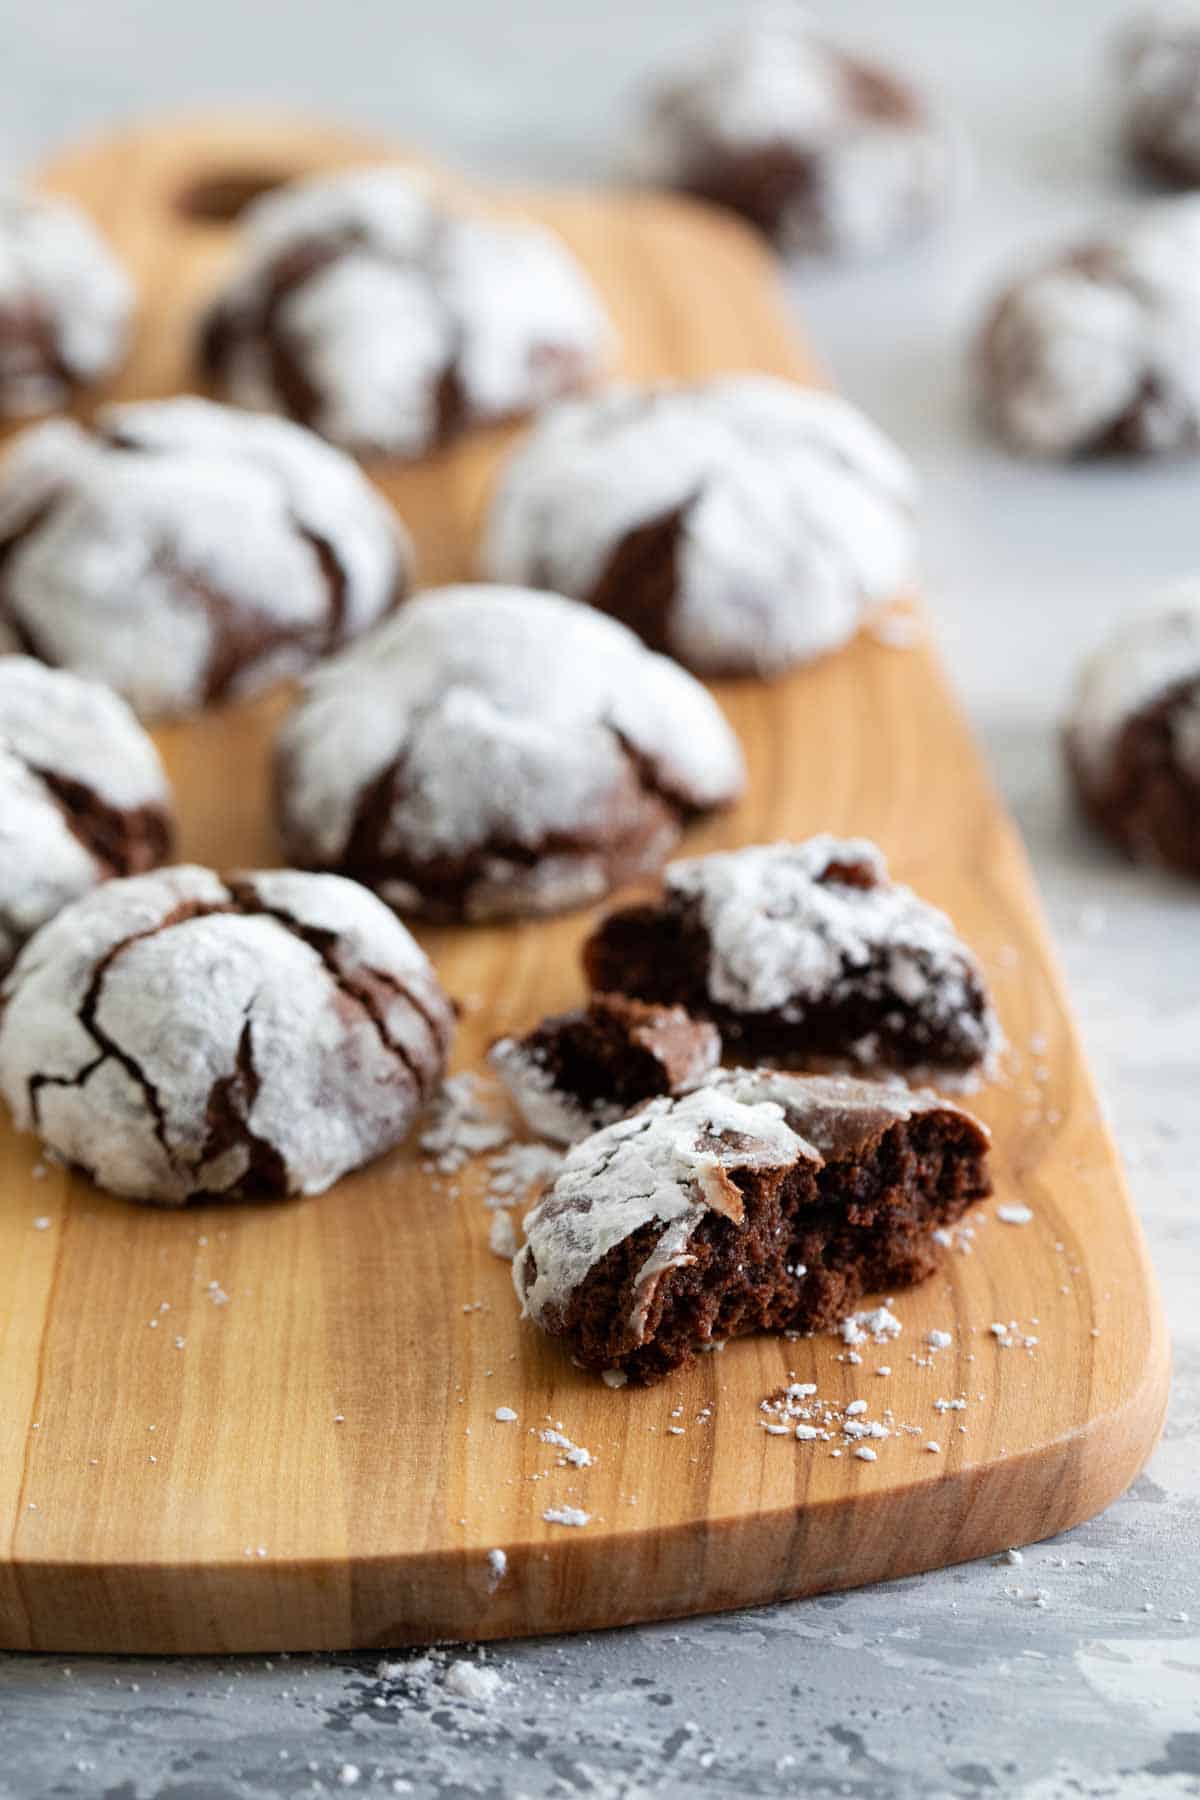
[[1076, 1673]]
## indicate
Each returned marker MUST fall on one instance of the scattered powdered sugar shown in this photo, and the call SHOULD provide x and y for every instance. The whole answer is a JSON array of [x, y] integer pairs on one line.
[[520, 717], [879, 1324], [472, 1681], [497, 1561], [505, 1415], [462, 1124], [502, 1238], [1010, 1336], [573, 1455], [795, 514], [437, 1674], [566, 1515], [1014, 1215], [520, 1172]]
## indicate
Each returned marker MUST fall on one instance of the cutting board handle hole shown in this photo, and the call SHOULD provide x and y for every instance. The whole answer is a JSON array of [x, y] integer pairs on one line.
[[223, 195]]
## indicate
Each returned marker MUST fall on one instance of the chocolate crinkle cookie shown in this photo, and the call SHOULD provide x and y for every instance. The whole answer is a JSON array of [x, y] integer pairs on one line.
[[758, 1202], [1158, 68], [826, 153], [580, 1070], [740, 526], [493, 751], [178, 1035], [187, 553], [83, 796], [1098, 349], [805, 954], [65, 305], [1133, 735], [363, 308]]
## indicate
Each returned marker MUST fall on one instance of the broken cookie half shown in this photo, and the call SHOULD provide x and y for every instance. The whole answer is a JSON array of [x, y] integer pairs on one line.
[[179, 1035], [758, 1202], [580, 1070]]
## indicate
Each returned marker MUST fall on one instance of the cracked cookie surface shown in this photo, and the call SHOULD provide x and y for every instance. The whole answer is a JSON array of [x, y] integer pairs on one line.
[[740, 526], [805, 954], [83, 796], [1133, 735], [757, 1202], [66, 305], [186, 553], [363, 308], [177, 1035], [494, 751]]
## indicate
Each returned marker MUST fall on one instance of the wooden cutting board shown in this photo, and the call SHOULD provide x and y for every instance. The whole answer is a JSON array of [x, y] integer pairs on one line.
[[263, 1427]]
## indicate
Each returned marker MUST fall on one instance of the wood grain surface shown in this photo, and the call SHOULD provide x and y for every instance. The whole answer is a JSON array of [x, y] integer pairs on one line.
[[273, 1426]]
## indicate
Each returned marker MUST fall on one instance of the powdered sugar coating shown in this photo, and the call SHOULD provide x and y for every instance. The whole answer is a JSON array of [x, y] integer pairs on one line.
[[1159, 71], [391, 313], [1100, 347], [785, 930], [1140, 663], [176, 1034], [55, 728], [65, 304], [512, 724], [795, 513], [664, 1164], [855, 161], [184, 551]]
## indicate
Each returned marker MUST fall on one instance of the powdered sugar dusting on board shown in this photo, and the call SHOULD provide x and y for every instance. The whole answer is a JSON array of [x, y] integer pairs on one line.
[[795, 513]]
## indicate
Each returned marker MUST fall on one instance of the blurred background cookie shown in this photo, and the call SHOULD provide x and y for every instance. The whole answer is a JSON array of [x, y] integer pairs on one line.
[[1133, 734], [826, 152], [1097, 349]]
